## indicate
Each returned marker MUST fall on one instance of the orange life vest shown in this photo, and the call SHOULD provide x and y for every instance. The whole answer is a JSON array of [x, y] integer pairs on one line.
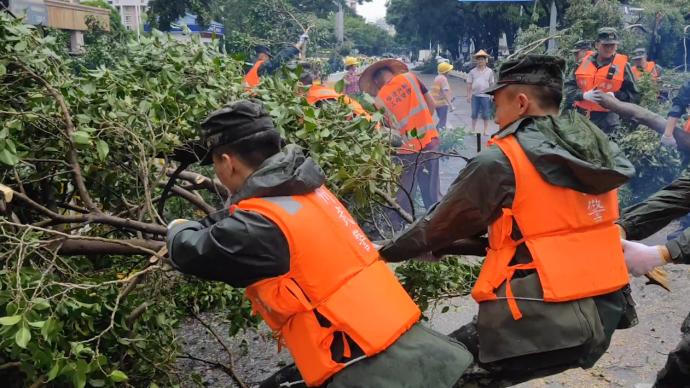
[[335, 272], [650, 68], [589, 77], [407, 110], [318, 93], [252, 79], [571, 236]]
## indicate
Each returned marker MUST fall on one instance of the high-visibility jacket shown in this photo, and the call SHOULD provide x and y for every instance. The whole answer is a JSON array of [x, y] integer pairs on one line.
[[607, 78], [650, 68], [252, 79], [407, 110], [337, 287], [318, 93], [571, 236]]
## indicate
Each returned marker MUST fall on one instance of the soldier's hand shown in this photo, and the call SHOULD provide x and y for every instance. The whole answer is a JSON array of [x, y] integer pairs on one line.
[[641, 258], [668, 141], [589, 95]]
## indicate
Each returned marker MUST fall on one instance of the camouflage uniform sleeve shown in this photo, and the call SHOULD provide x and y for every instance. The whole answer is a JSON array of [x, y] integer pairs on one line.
[[629, 91], [681, 101], [284, 56], [572, 92], [483, 188], [646, 218]]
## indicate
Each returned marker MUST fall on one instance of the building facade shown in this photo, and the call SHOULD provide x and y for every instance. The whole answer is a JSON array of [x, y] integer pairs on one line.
[[66, 15], [132, 12]]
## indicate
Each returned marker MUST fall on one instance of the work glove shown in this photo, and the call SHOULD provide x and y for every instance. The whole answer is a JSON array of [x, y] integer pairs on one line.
[[641, 258], [668, 141], [303, 38], [589, 95], [176, 221]]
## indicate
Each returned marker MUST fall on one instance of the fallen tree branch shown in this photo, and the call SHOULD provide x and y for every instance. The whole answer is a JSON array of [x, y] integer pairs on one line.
[[231, 366], [636, 113], [78, 177], [193, 199], [200, 181], [394, 205], [72, 247], [98, 218]]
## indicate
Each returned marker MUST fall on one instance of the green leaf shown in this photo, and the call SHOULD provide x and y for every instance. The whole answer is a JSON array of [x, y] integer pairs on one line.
[[3, 70], [7, 157], [11, 320], [20, 46], [81, 137], [103, 149], [38, 324], [118, 376], [88, 88], [97, 383], [340, 86], [23, 337], [55, 370]]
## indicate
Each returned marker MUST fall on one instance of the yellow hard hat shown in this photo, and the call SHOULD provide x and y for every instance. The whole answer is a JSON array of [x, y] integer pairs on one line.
[[351, 61], [444, 67]]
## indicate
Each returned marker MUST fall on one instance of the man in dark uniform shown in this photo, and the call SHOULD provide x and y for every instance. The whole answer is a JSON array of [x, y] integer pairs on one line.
[[571, 155], [643, 220], [607, 71], [266, 64]]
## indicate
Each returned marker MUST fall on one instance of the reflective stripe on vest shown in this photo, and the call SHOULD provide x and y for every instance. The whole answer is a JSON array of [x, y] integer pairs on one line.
[[318, 93], [252, 79], [336, 271], [650, 68], [571, 236], [407, 110], [589, 77]]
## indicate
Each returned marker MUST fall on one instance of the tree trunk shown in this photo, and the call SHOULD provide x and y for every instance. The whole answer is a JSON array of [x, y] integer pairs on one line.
[[643, 116]]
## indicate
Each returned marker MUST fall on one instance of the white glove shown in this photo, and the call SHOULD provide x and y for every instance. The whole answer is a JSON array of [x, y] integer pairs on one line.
[[303, 38], [641, 258], [176, 221], [588, 95], [668, 141]]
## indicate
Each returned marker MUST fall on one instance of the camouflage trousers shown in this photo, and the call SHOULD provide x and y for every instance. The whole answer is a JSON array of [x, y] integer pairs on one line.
[[676, 372]]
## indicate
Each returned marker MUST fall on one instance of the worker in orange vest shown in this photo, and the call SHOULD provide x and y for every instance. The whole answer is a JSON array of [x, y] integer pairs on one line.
[[643, 66], [266, 64], [408, 108], [607, 71], [554, 284], [308, 269], [317, 92]]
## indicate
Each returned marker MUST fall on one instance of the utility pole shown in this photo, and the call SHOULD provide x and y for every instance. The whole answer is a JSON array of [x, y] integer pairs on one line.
[[552, 28], [340, 24]]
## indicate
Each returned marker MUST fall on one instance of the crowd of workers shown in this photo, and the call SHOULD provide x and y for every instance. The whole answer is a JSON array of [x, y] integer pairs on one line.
[[540, 202]]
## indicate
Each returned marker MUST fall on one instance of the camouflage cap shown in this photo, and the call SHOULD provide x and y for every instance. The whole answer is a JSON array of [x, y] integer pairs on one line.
[[639, 53], [581, 45], [231, 123], [607, 35], [545, 70]]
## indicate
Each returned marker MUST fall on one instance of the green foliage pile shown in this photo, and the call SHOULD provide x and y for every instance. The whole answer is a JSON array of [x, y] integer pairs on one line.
[[430, 282], [655, 165]]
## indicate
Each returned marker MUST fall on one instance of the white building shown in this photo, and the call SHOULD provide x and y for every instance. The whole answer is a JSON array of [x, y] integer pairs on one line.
[[132, 13]]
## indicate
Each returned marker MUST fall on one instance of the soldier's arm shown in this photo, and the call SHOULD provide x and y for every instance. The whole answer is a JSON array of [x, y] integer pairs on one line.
[[680, 104], [646, 218], [285, 55], [476, 198], [230, 248]]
